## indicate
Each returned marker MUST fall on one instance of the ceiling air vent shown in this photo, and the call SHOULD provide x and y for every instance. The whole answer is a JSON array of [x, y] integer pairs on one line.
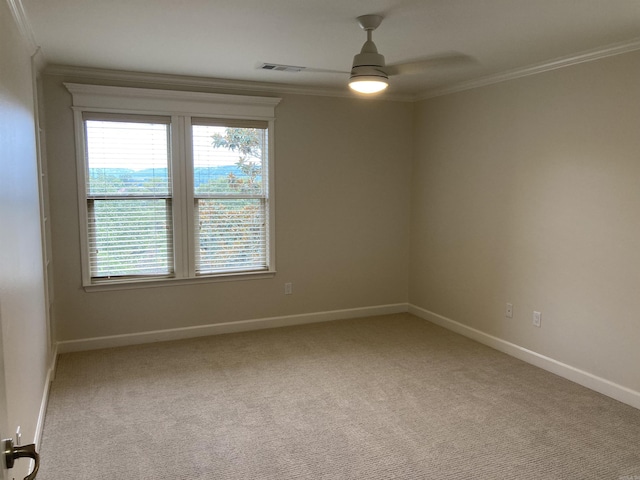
[[281, 68]]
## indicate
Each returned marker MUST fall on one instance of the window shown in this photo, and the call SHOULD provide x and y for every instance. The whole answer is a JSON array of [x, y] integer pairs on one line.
[[229, 200], [128, 195], [172, 196]]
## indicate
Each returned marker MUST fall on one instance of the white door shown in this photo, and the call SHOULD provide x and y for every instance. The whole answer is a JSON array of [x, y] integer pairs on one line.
[[4, 423], [8, 451]]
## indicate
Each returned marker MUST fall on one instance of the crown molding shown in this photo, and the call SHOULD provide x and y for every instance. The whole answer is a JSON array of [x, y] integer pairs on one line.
[[24, 26], [169, 80], [561, 62]]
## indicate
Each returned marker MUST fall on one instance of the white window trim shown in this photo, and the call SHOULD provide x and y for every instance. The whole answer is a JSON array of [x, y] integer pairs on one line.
[[178, 105]]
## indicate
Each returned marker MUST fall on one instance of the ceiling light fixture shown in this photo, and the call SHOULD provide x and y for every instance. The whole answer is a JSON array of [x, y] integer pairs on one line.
[[368, 80], [367, 73]]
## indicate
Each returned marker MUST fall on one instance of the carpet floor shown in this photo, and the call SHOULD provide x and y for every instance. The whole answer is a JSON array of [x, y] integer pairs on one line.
[[390, 397]]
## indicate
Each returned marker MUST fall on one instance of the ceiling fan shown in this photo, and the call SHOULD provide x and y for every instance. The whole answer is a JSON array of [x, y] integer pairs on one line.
[[369, 72]]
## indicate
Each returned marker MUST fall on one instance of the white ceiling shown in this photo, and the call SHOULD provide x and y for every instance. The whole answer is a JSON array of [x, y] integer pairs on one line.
[[228, 39]]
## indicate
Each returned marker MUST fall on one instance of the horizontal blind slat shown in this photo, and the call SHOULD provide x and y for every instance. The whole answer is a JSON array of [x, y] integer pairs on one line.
[[131, 118], [229, 122]]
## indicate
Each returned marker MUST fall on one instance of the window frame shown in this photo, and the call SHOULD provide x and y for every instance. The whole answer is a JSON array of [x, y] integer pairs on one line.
[[181, 107]]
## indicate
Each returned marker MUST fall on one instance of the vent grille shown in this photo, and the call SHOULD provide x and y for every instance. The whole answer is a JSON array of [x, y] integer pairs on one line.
[[281, 68]]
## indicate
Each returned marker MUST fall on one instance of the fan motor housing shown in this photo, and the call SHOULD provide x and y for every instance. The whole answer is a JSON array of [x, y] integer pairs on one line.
[[368, 64]]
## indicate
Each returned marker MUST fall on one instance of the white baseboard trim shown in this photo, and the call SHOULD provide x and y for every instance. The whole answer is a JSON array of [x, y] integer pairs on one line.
[[586, 379], [220, 328], [45, 397]]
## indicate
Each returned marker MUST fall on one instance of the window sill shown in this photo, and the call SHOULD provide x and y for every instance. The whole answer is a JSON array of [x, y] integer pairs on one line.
[[172, 282]]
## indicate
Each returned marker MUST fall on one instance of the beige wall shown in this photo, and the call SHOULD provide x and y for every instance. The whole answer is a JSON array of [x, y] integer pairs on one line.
[[528, 192], [22, 304], [524, 192], [342, 223]]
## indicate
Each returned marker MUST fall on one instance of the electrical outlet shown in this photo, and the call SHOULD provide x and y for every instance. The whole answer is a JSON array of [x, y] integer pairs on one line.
[[509, 311], [288, 288], [536, 319]]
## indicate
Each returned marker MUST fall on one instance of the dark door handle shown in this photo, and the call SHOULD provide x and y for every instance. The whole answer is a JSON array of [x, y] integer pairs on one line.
[[23, 451]]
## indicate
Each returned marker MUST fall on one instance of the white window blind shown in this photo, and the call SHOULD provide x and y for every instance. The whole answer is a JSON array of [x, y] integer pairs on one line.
[[129, 196], [230, 195]]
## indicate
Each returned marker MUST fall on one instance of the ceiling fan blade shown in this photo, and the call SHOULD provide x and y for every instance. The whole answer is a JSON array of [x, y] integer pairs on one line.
[[325, 70], [278, 67], [432, 62]]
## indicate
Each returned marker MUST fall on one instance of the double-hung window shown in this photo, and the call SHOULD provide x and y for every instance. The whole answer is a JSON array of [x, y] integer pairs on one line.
[[173, 186], [128, 192], [229, 203]]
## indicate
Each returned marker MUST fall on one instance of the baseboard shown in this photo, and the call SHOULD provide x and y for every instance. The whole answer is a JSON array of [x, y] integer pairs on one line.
[[45, 397], [220, 328], [586, 379]]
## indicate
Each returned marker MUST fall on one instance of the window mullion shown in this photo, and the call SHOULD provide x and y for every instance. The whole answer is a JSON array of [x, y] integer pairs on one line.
[[180, 218], [190, 231], [230, 196]]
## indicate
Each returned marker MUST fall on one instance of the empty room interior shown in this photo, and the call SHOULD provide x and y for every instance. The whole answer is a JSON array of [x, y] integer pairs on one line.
[[308, 239]]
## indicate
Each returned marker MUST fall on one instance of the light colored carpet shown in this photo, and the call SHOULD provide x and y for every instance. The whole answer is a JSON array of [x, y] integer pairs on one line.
[[391, 397]]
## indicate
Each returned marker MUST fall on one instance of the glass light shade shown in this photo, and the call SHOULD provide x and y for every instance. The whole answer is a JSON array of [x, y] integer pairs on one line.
[[368, 85]]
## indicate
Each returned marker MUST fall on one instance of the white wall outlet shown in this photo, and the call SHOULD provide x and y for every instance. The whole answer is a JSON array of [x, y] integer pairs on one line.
[[509, 310], [288, 288], [536, 319]]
